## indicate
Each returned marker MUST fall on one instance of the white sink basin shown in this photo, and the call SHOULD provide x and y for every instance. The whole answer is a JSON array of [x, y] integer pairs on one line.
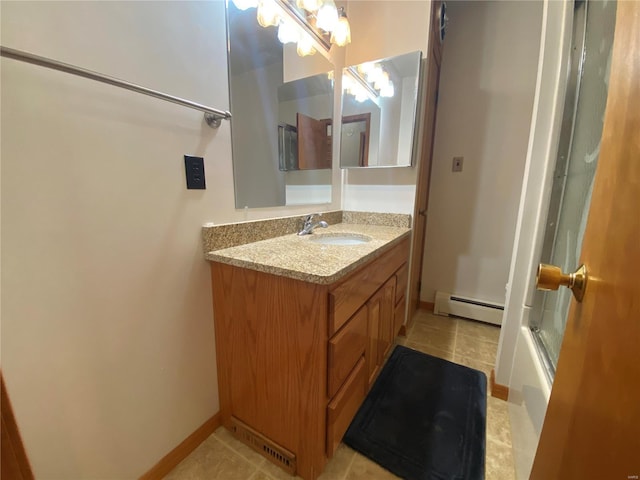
[[340, 239]]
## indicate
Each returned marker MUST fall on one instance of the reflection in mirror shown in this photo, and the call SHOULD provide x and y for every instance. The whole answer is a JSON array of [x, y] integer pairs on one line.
[[354, 149], [379, 105], [304, 130], [271, 165]]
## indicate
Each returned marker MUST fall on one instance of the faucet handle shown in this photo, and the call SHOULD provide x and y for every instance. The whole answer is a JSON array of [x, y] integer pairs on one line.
[[308, 219]]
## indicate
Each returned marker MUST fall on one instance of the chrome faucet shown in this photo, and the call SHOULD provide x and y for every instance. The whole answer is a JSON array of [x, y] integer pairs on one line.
[[308, 224]]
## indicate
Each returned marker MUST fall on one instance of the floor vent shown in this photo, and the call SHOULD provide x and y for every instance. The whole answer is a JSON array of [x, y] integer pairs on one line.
[[448, 304], [261, 444]]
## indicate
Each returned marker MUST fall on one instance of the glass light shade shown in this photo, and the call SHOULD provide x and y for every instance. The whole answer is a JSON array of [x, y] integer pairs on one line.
[[305, 46], [288, 32], [327, 16], [365, 68], [310, 5], [347, 83], [244, 4], [382, 81], [341, 34], [388, 90], [374, 74], [361, 95], [268, 13]]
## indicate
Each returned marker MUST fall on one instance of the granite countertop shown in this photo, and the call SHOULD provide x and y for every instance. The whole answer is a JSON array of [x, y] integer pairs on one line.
[[298, 257]]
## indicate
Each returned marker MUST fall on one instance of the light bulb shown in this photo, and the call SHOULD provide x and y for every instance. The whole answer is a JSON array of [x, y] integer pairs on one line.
[[305, 47], [288, 32], [267, 13], [341, 34], [244, 4], [310, 5], [327, 16]]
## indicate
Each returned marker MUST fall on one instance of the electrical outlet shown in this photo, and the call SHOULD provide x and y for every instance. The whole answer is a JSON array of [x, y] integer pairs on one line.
[[194, 170], [457, 164]]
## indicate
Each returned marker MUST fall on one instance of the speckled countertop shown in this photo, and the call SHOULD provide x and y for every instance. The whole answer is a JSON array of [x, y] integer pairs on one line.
[[299, 257]]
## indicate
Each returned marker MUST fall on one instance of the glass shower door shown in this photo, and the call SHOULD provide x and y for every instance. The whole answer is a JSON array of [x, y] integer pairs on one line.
[[583, 117]]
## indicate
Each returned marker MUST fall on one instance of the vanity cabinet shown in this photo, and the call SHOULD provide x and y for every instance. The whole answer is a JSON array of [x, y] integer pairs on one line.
[[296, 359]]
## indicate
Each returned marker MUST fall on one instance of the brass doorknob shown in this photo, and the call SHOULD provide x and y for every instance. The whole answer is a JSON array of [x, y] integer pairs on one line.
[[550, 277]]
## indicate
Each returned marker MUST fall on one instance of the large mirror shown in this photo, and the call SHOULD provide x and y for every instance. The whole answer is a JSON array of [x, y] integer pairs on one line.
[[379, 106], [282, 116]]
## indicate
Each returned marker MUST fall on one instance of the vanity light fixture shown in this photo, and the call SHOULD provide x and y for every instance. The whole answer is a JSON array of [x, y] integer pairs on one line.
[[327, 16], [267, 13], [310, 5], [305, 46], [367, 81], [311, 24], [354, 84], [341, 34], [288, 32]]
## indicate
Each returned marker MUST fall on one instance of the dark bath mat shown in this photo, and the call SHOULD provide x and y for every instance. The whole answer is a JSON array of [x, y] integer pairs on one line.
[[424, 419]]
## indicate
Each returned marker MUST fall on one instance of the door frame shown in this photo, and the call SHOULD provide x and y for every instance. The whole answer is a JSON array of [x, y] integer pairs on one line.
[[427, 140], [15, 463]]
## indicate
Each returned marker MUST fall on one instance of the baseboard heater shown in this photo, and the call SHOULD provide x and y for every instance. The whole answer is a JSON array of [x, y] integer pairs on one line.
[[448, 304]]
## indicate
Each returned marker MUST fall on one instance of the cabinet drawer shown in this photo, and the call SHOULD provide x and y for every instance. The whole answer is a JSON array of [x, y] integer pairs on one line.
[[345, 348], [401, 285], [347, 298], [344, 406]]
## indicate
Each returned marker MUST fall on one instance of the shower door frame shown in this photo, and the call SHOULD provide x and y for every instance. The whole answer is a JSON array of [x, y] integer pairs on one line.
[[556, 197]]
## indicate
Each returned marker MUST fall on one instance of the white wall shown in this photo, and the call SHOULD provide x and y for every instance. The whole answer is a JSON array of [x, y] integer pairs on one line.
[[107, 333], [487, 84], [381, 29]]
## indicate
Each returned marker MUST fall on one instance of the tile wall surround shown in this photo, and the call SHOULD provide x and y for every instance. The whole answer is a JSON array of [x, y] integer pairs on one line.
[[218, 237]]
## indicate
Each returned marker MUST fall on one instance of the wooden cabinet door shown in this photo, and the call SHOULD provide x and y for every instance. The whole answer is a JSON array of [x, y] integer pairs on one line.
[[380, 311], [313, 143], [387, 311], [374, 311]]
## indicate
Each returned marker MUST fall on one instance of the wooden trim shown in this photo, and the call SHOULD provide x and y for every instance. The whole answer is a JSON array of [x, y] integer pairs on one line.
[[431, 79], [427, 306], [363, 159], [182, 451], [497, 390], [15, 463]]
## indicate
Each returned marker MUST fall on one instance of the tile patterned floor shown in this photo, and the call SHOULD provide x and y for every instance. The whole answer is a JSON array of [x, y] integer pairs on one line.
[[474, 344]]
